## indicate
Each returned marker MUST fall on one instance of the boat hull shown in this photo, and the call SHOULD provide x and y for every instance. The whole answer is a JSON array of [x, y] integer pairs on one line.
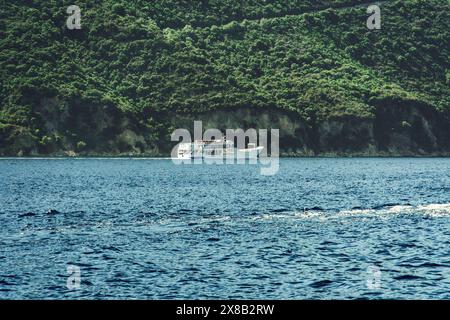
[[237, 154], [248, 154]]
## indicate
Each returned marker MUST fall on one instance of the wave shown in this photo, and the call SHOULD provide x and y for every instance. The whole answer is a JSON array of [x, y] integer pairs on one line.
[[388, 210], [183, 222], [435, 208], [427, 209]]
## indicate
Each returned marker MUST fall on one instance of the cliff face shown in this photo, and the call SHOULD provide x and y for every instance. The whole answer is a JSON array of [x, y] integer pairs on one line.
[[395, 130], [78, 129]]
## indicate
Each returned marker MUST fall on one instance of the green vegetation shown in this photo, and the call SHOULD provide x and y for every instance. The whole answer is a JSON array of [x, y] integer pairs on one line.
[[149, 60], [178, 13]]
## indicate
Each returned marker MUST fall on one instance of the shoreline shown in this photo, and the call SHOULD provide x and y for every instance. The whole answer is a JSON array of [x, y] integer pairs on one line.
[[136, 157]]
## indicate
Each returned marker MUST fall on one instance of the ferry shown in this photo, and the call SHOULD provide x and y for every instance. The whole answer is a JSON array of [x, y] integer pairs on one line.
[[217, 149]]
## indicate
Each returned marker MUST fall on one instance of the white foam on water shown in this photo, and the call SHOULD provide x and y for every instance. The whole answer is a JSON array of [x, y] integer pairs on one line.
[[400, 209], [436, 210], [306, 214], [272, 216], [357, 212], [311, 214]]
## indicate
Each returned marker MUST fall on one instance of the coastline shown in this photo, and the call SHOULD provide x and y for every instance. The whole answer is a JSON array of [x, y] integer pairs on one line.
[[282, 156]]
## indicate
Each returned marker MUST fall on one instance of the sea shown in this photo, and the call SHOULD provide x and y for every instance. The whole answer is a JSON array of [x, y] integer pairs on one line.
[[320, 228]]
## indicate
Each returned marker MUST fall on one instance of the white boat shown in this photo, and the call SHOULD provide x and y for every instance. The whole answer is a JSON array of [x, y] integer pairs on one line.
[[252, 152], [216, 149]]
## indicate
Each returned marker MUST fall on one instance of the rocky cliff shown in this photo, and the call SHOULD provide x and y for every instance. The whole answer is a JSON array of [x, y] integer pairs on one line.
[[395, 130]]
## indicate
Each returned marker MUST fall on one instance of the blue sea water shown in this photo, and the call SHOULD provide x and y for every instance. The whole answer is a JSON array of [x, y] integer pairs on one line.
[[150, 229]]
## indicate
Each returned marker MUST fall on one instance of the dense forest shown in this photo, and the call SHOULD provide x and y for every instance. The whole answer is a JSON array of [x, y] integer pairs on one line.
[[121, 83]]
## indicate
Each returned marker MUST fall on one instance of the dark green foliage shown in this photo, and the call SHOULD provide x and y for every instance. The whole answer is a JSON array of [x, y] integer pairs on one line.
[[155, 58]]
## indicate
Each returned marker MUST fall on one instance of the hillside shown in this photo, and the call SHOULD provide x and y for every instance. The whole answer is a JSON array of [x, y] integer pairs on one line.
[[135, 72]]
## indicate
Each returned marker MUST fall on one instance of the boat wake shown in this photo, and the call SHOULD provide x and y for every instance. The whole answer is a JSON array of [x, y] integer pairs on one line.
[[175, 223], [384, 211], [428, 209]]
